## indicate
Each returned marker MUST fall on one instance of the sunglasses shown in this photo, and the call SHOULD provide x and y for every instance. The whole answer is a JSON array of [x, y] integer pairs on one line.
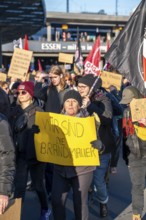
[[23, 92]]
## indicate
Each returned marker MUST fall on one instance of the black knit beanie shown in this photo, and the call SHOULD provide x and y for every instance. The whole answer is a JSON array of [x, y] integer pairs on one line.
[[72, 94], [89, 80]]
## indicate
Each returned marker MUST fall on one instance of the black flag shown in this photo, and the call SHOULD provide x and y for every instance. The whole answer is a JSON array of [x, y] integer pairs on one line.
[[78, 56], [125, 54]]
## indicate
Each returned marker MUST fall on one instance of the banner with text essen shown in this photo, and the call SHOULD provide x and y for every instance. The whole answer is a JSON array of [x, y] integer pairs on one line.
[[65, 140]]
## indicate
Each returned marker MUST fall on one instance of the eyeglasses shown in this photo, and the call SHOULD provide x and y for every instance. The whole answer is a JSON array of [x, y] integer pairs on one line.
[[82, 87], [23, 92]]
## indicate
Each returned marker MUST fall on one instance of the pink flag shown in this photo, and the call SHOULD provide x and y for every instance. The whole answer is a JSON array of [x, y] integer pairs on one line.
[[26, 43], [107, 45], [40, 66], [91, 64]]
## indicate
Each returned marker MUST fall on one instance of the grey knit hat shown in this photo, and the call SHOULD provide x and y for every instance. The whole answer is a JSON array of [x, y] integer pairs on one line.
[[72, 94]]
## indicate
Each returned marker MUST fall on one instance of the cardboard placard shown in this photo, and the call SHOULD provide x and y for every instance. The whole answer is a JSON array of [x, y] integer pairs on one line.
[[65, 58], [3, 77], [109, 78], [13, 211], [138, 109], [20, 63], [65, 140]]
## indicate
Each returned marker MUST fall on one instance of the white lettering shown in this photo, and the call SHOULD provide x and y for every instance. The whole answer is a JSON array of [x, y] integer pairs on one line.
[[51, 46]]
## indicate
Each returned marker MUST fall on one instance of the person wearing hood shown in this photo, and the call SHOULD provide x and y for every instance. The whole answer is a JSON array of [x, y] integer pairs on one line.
[[23, 130], [136, 152], [99, 105]]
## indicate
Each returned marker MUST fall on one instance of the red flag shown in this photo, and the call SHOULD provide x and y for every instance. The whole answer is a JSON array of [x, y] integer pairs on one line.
[[26, 43], [40, 66], [144, 59], [91, 63]]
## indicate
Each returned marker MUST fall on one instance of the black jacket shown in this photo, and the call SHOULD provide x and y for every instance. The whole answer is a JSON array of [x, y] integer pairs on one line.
[[103, 108], [53, 100], [23, 131], [7, 157]]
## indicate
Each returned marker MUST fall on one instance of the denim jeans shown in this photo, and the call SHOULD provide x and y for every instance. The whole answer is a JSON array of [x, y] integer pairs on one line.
[[99, 178]]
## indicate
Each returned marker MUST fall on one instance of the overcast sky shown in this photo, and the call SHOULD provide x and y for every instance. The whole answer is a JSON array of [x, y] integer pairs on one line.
[[124, 7]]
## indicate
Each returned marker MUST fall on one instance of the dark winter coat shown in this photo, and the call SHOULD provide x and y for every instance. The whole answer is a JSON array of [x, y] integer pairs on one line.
[[7, 157], [53, 101], [103, 108], [23, 131]]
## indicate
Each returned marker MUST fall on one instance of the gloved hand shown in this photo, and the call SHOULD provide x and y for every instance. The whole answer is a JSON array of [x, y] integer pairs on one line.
[[35, 129], [97, 144]]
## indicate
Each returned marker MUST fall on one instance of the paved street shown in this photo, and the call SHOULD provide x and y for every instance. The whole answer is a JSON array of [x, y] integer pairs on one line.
[[119, 202]]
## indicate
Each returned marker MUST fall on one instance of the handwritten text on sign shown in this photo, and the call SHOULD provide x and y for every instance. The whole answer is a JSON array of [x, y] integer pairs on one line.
[[65, 140], [109, 78], [138, 109], [20, 63]]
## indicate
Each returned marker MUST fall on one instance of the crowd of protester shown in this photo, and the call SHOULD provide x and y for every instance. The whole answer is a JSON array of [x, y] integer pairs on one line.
[[67, 93]]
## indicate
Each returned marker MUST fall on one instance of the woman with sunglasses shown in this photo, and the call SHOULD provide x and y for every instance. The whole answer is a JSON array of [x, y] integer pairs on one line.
[[24, 129]]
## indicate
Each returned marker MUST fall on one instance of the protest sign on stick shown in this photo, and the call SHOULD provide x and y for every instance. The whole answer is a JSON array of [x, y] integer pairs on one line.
[[138, 109], [3, 77], [20, 63], [65, 58], [110, 78]]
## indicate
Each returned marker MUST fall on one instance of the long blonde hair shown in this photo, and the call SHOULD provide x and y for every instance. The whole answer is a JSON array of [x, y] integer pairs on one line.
[[57, 70]]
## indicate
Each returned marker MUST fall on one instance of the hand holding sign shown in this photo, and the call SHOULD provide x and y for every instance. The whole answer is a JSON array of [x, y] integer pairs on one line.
[[65, 140]]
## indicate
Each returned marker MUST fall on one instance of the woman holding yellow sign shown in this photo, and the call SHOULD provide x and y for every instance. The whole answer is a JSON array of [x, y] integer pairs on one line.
[[77, 178]]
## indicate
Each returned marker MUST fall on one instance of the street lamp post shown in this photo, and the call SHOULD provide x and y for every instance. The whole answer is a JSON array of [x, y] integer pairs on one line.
[[116, 7], [67, 6]]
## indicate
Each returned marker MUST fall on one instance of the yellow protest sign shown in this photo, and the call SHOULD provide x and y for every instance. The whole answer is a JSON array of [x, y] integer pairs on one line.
[[140, 132], [65, 140], [3, 77], [109, 78], [20, 63], [138, 109], [65, 58]]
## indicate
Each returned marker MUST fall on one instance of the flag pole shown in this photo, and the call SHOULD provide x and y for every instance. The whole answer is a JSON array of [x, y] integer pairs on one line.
[[144, 57]]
